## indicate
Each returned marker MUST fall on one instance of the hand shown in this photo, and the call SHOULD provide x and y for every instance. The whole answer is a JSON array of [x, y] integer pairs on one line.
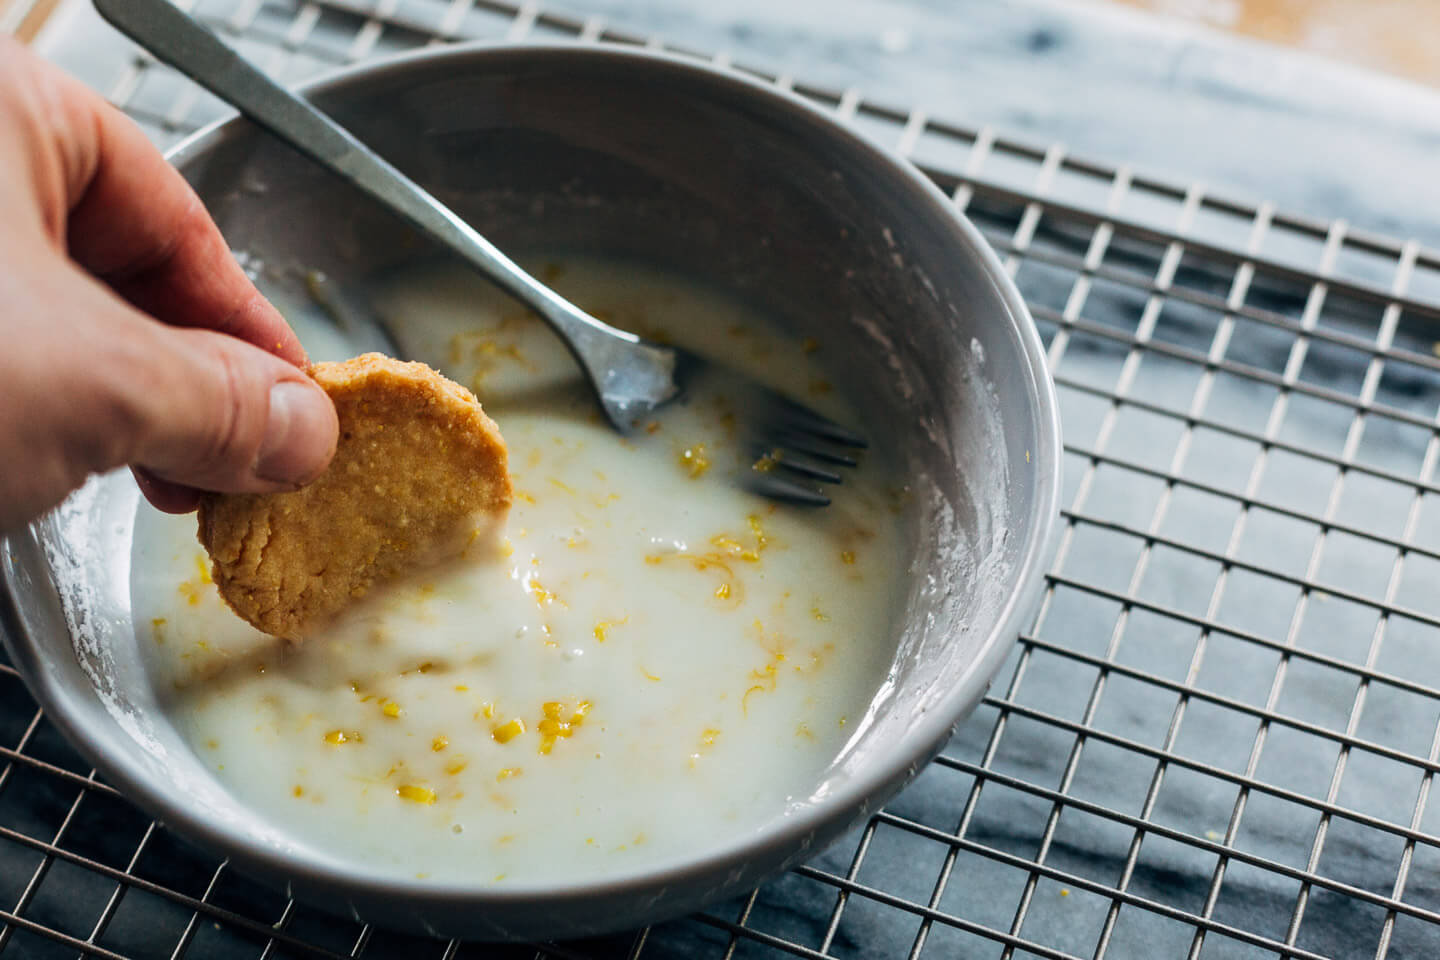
[[131, 335]]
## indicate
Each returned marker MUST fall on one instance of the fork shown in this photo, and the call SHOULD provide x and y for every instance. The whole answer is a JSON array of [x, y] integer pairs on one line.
[[790, 446]]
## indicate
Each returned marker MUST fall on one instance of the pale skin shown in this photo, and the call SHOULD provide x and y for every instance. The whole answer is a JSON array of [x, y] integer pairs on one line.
[[131, 335]]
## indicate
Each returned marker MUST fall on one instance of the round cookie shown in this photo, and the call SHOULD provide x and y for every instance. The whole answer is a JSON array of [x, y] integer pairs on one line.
[[418, 469]]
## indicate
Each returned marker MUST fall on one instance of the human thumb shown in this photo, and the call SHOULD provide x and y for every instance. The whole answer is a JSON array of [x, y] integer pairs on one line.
[[210, 411]]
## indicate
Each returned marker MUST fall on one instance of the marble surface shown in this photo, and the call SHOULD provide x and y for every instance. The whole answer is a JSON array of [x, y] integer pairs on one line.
[[1311, 135], [1392, 36]]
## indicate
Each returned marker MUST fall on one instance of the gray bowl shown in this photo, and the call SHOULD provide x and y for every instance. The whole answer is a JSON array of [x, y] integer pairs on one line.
[[651, 157]]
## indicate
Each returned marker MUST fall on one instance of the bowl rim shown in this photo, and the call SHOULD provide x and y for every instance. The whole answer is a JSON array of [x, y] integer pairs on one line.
[[854, 793]]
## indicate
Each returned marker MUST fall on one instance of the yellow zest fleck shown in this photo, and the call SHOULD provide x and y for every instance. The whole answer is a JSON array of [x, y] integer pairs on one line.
[[415, 794], [745, 699], [765, 677], [1064, 891], [604, 625], [809, 344], [847, 556], [732, 547], [526, 496], [708, 737], [590, 841], [488, 349], [803, 731], [299, 791], [506, 547], [487, 710], [506, 774], [542, 596], [844, 720], [390, 708], [818, 615], [1027, 456], [190, 592], [204, 569], [722, 592], [337, 737], [694, 461], [654, 559], [440, 743], [649, 676], [461, 688], [505, 732], [767, 462], [555, 727], [560, 485], [456, 767], [212, 743]]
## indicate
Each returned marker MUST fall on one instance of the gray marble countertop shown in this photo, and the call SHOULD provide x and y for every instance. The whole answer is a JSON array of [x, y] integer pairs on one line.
[[1311, 135]]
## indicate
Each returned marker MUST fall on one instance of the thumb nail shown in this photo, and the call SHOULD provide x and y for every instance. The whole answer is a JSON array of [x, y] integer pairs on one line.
[[299, 434]]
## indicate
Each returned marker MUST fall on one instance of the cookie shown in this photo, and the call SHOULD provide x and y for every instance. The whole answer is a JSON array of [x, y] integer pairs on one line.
[[419, 470]]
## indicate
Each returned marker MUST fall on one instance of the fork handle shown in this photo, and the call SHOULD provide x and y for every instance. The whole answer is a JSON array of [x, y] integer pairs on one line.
[[175, 38]]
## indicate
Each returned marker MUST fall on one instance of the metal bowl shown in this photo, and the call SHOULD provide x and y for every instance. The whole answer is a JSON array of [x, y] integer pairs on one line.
[[656, 158]]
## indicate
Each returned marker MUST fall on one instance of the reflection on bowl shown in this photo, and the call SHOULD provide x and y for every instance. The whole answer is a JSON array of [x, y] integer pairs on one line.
[[651, 159]]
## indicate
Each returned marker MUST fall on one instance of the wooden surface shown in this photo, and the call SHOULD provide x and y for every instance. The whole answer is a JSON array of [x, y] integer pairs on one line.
[[32, 15], [1393, 36]]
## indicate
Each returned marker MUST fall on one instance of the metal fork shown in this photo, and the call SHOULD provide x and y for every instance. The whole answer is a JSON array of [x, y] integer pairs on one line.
[[790, 445]]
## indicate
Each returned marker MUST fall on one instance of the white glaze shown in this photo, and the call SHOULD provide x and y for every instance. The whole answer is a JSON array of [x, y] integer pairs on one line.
[[708, 716]]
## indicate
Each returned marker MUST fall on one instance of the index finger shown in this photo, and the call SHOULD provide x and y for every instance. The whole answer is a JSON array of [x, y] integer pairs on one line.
[[137, 225]]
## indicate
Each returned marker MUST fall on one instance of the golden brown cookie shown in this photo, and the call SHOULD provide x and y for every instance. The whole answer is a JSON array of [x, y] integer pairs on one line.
[[418, 469]]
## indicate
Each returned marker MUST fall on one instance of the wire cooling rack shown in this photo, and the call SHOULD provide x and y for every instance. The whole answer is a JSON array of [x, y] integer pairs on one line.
[[1220, 735]]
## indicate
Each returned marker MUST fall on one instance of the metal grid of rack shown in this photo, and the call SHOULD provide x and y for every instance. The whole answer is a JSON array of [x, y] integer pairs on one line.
[[1219, 737]]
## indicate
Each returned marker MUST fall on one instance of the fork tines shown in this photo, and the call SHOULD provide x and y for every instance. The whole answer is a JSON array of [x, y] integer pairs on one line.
[[793, 444]]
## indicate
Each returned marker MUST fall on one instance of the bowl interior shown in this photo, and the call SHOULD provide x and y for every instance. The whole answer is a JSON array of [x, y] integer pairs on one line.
[[645, 158]]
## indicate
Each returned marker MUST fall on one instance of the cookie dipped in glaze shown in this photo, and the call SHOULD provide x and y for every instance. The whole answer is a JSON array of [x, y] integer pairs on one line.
[[419, 472]]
